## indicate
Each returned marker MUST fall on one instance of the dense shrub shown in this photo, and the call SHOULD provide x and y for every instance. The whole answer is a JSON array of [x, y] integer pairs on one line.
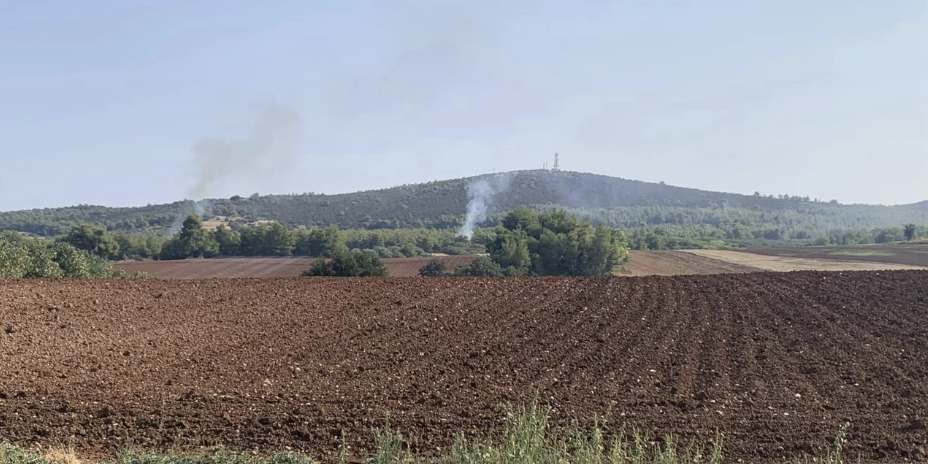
[[348, 264], [482, 266], [433, 268], [556, 243], [34, 259]]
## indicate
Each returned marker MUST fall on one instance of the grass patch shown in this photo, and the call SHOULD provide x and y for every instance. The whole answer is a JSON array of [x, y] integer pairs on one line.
[[861, 253], [527, 438]]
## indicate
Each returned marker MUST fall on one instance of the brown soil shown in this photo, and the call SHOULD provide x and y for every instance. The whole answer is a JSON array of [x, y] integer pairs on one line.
[[774, 362]]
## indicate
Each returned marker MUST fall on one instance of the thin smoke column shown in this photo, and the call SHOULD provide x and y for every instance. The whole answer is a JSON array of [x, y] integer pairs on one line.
[[266, 153], [480, 193], [269, 150]]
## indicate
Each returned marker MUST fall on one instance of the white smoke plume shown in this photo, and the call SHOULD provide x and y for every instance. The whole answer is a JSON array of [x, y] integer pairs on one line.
[[198, 207], [480, 193]]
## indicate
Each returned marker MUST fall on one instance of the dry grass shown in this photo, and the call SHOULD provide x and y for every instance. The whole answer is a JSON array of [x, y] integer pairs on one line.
[[62, 456]]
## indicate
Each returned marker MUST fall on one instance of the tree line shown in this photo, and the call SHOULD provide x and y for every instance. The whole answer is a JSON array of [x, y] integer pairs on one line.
[[193, 240], [276, 239]]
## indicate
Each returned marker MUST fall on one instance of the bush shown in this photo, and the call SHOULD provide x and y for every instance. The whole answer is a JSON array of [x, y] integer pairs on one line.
[[433, 268], [483, 266], [33, 259], [348, 264], [556, 243]]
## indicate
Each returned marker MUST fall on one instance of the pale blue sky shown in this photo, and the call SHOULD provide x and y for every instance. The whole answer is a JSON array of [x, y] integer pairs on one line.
[[101, 102]]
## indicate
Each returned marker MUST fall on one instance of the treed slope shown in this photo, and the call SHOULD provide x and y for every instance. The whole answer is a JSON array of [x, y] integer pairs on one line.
[[920, 206], [442, 204]]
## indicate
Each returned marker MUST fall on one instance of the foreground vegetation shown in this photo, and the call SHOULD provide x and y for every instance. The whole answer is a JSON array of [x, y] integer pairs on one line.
[[526, 438], [36, 259]]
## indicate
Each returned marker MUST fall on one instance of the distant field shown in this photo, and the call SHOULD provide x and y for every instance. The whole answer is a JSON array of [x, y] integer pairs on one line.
[[786, 263], [860, 253], [267, 267], [642, 263], [907, 254]]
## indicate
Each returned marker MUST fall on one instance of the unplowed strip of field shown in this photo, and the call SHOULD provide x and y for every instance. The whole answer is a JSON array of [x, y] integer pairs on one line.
[[268, 267], [787, 264], [775, 363], [665, 263]]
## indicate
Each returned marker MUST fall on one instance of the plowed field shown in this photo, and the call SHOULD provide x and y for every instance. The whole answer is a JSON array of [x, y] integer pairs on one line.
[[774, 362], [268, 267]]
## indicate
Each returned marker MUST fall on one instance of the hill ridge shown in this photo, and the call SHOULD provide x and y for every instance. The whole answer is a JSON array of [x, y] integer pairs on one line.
[[443, 203]]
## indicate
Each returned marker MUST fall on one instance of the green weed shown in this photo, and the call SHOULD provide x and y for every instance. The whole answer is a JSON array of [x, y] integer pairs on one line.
[[527, 437]]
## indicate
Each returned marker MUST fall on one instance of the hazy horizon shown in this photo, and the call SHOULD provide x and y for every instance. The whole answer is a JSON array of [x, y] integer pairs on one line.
[[434, 180], [128, 105]]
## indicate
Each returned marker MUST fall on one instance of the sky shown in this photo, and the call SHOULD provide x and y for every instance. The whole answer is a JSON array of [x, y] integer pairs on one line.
[[144, 102]]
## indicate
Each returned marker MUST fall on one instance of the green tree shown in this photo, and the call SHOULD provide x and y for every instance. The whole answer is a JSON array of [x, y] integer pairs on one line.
[[334, 242], [370, 265], [94, 240], [433, 268], [228, 240], [911, 232], [556, 243], [74, 263], [511, 249], [195, 241], [278, 241], [14, 259], [12, 237], [251, 240], [309, 242], [41, 263]]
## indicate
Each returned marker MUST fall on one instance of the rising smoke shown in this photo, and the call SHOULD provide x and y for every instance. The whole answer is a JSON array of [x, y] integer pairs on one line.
[[480, 193], [265, 154], [269, 150]]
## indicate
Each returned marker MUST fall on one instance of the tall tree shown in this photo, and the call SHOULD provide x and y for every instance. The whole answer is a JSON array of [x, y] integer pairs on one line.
[[94, 240], [228, 240], [278, 240], [195, 241]]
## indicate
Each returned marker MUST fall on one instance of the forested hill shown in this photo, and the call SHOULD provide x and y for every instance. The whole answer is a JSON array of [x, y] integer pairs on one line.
[[442, 204], [920, 206]]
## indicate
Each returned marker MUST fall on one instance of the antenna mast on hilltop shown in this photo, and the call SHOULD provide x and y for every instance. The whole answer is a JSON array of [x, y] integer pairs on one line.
[[557, 166]]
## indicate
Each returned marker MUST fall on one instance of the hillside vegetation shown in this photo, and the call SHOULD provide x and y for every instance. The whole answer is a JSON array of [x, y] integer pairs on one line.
[[687, 215]]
